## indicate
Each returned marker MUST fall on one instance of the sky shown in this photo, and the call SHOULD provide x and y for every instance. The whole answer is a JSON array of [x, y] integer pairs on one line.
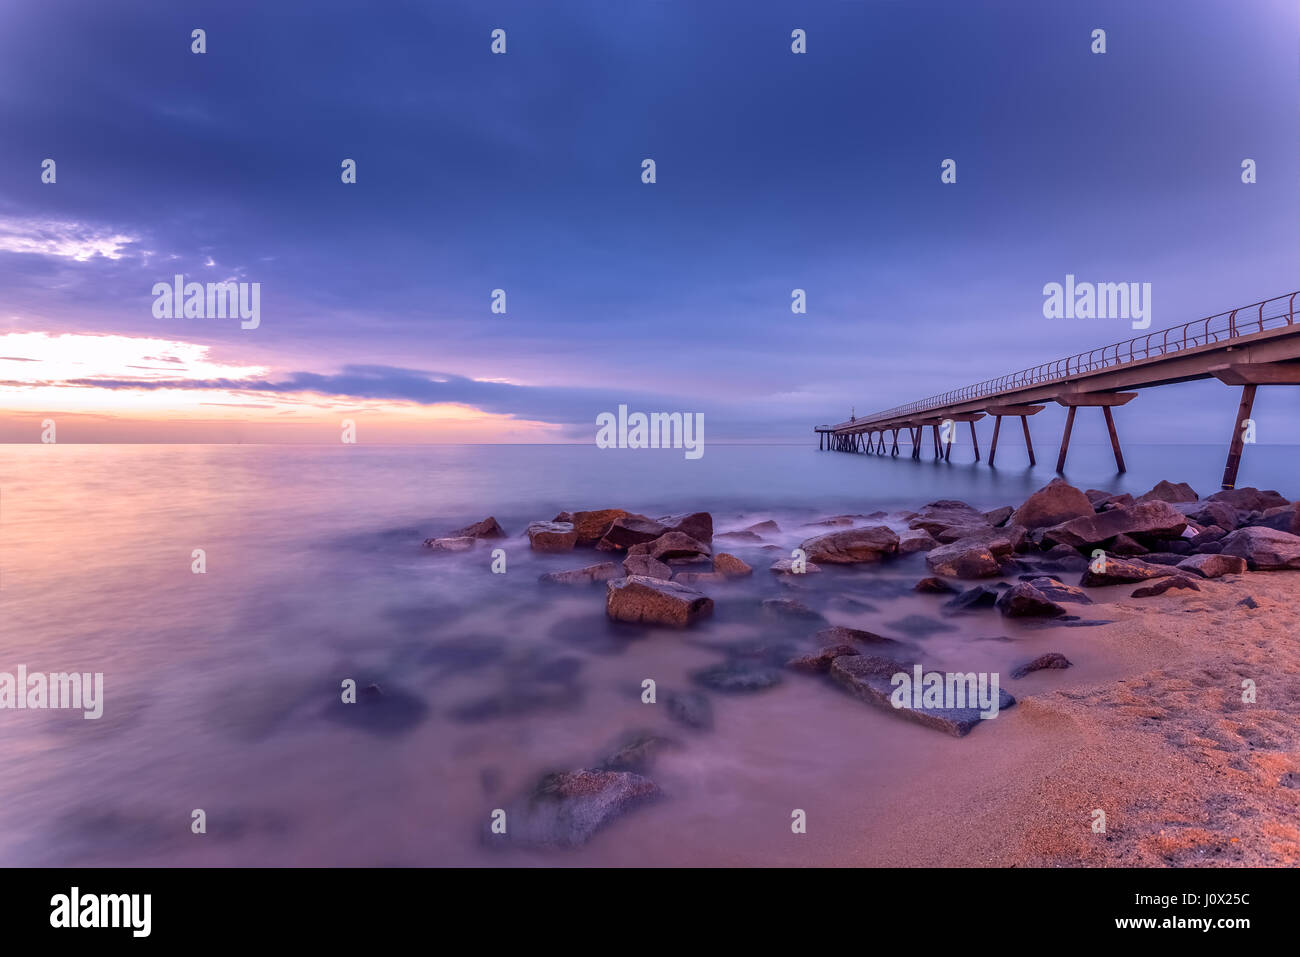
[[522, 172]]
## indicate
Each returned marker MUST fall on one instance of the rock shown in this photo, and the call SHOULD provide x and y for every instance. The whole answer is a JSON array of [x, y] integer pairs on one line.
[[933, 586], [1176, 546], [1208, 548], [1248, 499], [785, 566], [1164, 585], [1157, 519], [737, 676], [1211, 512], [384, 712], [1169, 492], [1208, 536], [968, 558], [697, 525], [1117, 571], [565, 809], [819, 661], [788, 608], [838, 635], [1023, 600], [1059, 591], [1283, 518], [636, 752], [700, 578], [937, 516], [741, 536], [462, 543], [591, 526], [1104, 501], [731, 566], [1163, 558], [980, 596], [1213, 566], [999, 516], [915, 540], [919, 626], [1123, 545], [646, 566], [764, 528], [1053, 659], [1056, 502], [1248, 602], [672, 545], [868, 544], [863, 678], [488, 528], [605, 571], [652, 601], [552, 536], [691, 708], [628, 531], [1265, 549], [838, 520]]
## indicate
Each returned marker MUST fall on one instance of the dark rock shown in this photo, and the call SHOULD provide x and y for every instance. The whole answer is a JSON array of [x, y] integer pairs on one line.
[[1211, 512], [488, 528], [1159, 519], [741, 536], [1213, 566], [591, 526], [789, 608], [1207, 536], [565, 809], [1117, 571], [1164, 585], [584, 576], [386, 711], [630, 530], [1169, 492], [764, 528], [1056, 502], [636, 751], [1104, 501], [864, 680], [1123, 545], [820, 660], [696, 525], [1163, 558], [980, 596], [461, 543], [1283, 518], [1053, 659], [868, 544], [1057, 590], [933, 586], [1248, 602], [1023, 600], [919, 626], [691, 708], [915, 540], [644, 600], [737, 676], [646, 566], [1265, 549], [1248, 500], [999, 516]]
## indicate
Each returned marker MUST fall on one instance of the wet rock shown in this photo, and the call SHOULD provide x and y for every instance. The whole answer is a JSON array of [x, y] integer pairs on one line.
[[764, 528], [696, 525], [1104, 501], [937, 516], [1053, 659], [636, 751], [1164, 585], [1163, 558], [1283, 518], [462, 543], [788, 608], [919, 626], [968, 558], [584, 576], [868, 544], [1117, 571], [998, 516], [741, 536], [1213, 566], [1123, 545], [1169, 492], [916, 540], [591, 526], [1177, 546], [384, 711], [1248, 499], [652, 601], [731, 566], [838, 520], [552, 536], [1248, 602], [737, 676], [980, 596], [1208, 548], [819, 661], [1156, 519], [863, 678], [694, 579], [629, 530], [488, 528], [566, 808], [786, 566], [1023, 600], [1211, 512], [690, 708], [933, 586], [1208, 536], [673, 545], [1057, 590], [646, 566], [1264, 549], [1056, 502]]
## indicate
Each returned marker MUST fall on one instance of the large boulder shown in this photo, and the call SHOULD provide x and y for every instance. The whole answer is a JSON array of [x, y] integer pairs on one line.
[[868, 677], [488, 528], [603, 572], [1056, 502], [1150, 519], [1165, 491], [629, 530], [1210, 512], [1023, 600], [672, 545], [1265, 549], [698, 525], [731, 566], [552, 536], [567, 808], [591, 526], [1059, 591], [1248, 499], [652, 601], [868, 544], [915, 540], [1117, 571], [937, 516], [1213, 566], [1284, 518], [975, 557], [647, 566]]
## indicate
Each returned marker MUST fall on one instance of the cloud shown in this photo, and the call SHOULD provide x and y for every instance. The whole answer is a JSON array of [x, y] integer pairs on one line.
[[65, 240]]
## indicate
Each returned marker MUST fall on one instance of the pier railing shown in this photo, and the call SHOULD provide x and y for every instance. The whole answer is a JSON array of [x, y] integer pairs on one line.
[[1274, 313]]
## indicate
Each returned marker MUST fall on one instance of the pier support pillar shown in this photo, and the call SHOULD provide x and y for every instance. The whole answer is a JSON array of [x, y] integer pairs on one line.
[[1029, 443], [894, 450], [997, 427], [1114, 439], [974, 439], [1235, 446], [1065, 439]]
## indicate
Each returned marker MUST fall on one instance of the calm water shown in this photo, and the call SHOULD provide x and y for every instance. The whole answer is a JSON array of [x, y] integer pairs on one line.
[[221, 688]]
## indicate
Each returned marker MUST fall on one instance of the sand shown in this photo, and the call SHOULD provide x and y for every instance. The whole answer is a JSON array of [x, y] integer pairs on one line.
[[1149, 727]]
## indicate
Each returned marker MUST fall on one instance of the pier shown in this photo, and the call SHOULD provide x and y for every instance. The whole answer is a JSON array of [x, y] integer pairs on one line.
[[1252, 346]]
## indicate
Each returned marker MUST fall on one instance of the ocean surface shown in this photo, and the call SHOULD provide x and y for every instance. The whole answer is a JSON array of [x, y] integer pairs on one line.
[[221, 690]]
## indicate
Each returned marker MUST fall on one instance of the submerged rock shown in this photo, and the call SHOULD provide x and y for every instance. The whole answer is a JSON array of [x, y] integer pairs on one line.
[[738, 676], [1053, 659], [788, 608], [552, 536], [636, 751], [566, 808], [979, 596], [462, 543], [691, 708], [868, 681], [488, 528], [605, 571], [868, 544], [819, 661], [785, 566], [933, 586], [1023, 600], [647, 566], [651, 601]]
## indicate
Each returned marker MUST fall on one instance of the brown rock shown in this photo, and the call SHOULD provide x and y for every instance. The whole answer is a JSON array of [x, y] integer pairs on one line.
[[1059, 591], [785, 566], [1056, 502], [552, 536], [591, 526], [1117, 571], [998, 516], [933, 586], [1157, 519], [1265, 549], [1164, 585], [867, 544], [646, 566], [915, 540], [1023, 600], [584, 576], [1248, 499], [488, 528], [651, 601], [1053, 659], [968, 558], [1123, 545], [628, 531], [461, 543], [672, 545], [1169, 492], [820, 660], [698, 525], [731, 566], [1213, 566]]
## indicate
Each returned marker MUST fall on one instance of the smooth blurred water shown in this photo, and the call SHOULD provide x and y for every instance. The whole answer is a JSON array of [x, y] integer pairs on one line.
[[220, 687]]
